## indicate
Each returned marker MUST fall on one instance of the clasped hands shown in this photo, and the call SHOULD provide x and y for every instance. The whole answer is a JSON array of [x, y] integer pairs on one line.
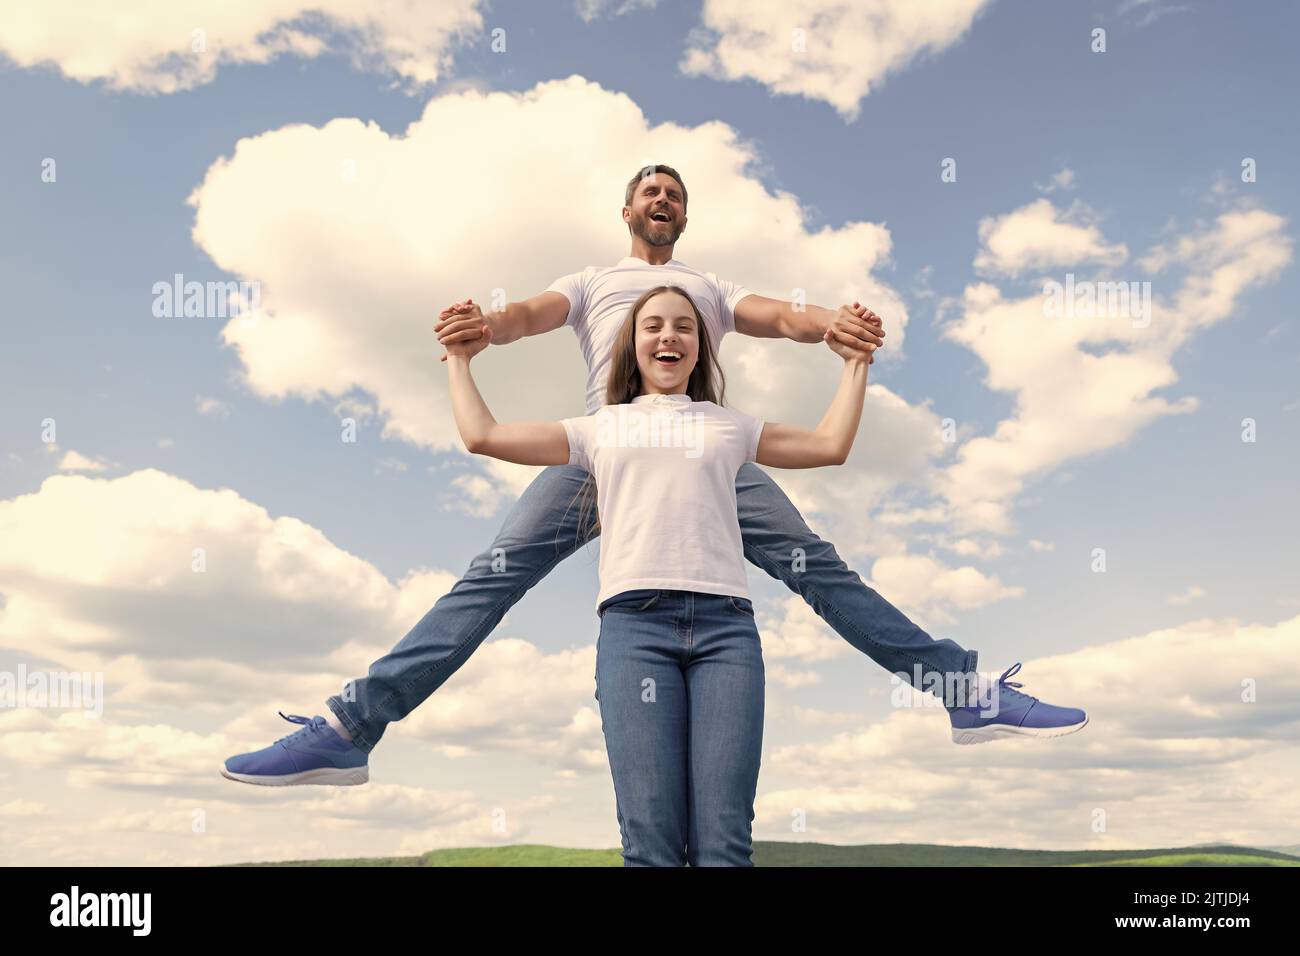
[[854, 333]]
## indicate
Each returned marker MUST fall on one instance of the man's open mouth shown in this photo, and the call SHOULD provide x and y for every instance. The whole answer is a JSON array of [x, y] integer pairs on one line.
[[668, 357], [661, 217]]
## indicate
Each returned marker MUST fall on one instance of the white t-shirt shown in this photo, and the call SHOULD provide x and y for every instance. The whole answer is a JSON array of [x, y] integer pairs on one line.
[[665, 470], [599, 300]]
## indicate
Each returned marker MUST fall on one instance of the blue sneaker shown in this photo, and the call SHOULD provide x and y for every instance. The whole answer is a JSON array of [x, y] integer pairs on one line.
[[1011, 714], [315, 754]]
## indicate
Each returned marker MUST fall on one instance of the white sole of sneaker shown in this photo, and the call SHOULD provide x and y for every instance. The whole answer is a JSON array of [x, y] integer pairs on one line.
[[350, 777], [982, 735]]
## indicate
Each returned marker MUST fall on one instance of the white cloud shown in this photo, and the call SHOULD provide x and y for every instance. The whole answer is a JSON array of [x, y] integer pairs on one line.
[[1218, 246], [147, 785], [23, 809], [910, 516], [1171, 738], [811, 717], [512, 698], [844, 48], [792, 631], [212, 407], [75, 461], [354, 406], [99, 751], [1084, 385], [1149, 10], [926, 589], [593, 9], [163, 46], [1187, 597], [474, 495], [272, 592], [972, 547], [1042, 236], [1063, 180], [779, 675]]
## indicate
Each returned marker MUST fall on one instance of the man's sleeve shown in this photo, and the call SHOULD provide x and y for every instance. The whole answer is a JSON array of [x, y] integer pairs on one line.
[[574, 288], [729, 293], [579, 432]]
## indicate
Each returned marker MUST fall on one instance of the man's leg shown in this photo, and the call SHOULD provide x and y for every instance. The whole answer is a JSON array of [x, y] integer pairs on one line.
[[778, 540], [541, 530]]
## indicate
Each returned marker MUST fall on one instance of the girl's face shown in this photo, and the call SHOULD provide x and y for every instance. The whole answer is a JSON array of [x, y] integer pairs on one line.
[[667, 341]]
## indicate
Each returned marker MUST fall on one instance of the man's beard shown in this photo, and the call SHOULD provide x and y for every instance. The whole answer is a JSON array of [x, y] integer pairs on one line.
[[654, 234]]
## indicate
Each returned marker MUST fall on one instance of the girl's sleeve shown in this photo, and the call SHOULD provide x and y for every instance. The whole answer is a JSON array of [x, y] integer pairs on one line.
[[579, 431], [751, 430]]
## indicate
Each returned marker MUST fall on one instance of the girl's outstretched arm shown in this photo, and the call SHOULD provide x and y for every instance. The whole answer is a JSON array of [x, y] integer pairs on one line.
[[525, 443], [789, 446]]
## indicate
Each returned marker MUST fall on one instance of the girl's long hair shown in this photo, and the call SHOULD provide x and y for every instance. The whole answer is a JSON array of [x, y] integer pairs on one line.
[[707, 383]]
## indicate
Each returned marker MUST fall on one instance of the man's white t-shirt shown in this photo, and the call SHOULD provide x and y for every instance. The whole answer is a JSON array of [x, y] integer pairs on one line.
[[600, 299], [665, 470]]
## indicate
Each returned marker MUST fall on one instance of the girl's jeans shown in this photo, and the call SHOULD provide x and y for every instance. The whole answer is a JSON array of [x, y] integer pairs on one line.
[[542, 529], [679, 677]]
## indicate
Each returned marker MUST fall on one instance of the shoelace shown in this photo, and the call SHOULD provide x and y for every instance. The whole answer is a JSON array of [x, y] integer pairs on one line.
[[314, 725], [1009, 672], [1004, 685]]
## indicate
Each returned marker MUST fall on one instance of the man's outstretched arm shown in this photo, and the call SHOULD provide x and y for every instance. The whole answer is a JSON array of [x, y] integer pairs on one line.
[[855, 326], [464, 321]]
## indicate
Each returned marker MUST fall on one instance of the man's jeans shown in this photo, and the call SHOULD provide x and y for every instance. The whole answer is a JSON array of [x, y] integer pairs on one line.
[[542, 530], [679, 677]]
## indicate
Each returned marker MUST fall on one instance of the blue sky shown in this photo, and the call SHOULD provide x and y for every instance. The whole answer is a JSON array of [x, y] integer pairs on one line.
[[1140, 146]]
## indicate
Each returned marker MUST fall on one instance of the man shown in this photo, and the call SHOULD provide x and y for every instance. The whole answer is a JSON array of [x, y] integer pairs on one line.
[[542, 527]]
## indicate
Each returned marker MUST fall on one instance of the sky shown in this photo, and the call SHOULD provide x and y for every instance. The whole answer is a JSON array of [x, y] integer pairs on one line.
[[1105, 496]]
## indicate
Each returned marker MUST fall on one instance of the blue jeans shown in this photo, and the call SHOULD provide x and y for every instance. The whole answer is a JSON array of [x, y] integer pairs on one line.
[[543, 528], [679, 677]]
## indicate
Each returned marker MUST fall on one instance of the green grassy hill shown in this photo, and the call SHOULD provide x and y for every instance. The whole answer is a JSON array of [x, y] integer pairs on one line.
[[824, 854]]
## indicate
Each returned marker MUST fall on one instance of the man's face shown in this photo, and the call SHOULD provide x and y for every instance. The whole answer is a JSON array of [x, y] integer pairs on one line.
[[667, 342], [657, 214]]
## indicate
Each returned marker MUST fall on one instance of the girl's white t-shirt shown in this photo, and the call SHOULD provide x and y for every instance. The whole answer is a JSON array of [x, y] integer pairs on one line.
[[665, 469]]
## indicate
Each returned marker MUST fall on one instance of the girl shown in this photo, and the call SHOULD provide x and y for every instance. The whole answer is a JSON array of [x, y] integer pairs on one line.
[[679, 667]]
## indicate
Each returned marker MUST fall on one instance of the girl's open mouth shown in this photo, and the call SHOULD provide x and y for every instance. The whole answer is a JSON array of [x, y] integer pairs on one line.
[[668, 357]]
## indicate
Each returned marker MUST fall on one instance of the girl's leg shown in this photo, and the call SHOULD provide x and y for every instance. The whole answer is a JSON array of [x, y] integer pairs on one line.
[[724, 690], [643, 712]]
